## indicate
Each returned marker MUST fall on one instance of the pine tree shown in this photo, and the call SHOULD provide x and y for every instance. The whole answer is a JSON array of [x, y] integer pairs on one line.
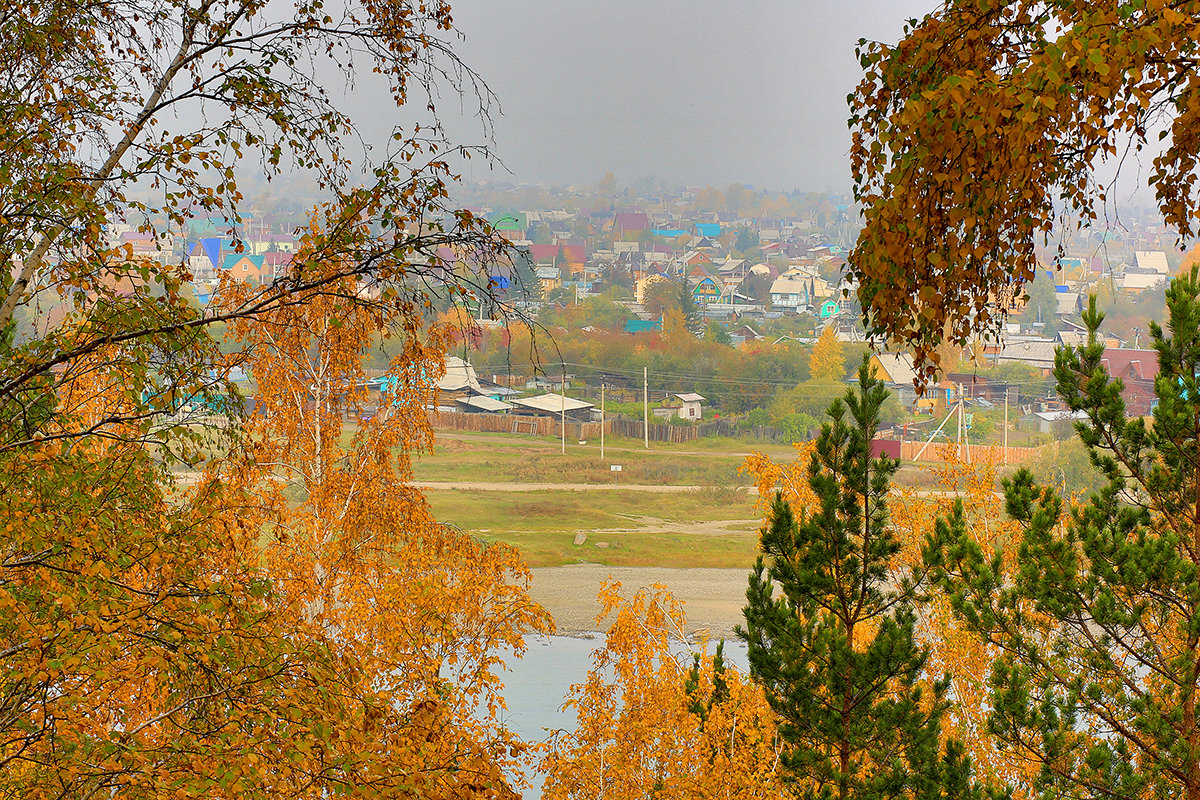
[[1097, 618], [830, 628], [687, 307]]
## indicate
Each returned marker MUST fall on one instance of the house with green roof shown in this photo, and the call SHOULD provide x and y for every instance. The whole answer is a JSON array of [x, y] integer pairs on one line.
[[830, 308], [243, 267], [510, 224]]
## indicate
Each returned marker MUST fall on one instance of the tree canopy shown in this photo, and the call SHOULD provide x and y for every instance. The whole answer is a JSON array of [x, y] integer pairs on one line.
[[980, 131], [172, 632], [1094, 615], [830, 629], [149, 116]]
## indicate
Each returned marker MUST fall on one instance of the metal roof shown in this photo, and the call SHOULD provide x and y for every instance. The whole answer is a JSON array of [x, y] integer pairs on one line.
[[459, 375], [484, 403], [551, 403]]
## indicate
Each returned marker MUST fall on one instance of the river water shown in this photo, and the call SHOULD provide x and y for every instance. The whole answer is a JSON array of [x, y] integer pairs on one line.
[[536, 686]]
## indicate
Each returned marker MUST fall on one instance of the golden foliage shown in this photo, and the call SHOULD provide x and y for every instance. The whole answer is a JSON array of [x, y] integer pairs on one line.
[[953, 650], [828, 363], [978, 132], [141, 655], [790, 477], [419, 609], [644, 731], [675, 331]]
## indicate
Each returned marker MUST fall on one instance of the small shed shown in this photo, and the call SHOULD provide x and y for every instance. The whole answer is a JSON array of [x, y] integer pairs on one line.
[[1059, 423], [688, 405], [552, 405]]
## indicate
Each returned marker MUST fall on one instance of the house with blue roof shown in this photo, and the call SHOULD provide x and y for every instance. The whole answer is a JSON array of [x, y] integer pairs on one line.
[[710, 230], [205, 259], [705, 289]]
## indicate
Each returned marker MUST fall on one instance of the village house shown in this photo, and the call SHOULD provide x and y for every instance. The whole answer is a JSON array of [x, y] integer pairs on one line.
[[1137, 370], [629, 224], [685, 406], [205, 259], [550, 278], [553, 405], [244, 268], [792, 291], [705, 288], [1037, 353], [510, 225]]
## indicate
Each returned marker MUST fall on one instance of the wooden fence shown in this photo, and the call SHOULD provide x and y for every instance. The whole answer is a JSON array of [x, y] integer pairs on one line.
[[551, 426], [681, 434], [945, 451]]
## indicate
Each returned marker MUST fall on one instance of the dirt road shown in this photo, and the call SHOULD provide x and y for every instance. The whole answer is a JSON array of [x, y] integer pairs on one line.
[[560, 487]]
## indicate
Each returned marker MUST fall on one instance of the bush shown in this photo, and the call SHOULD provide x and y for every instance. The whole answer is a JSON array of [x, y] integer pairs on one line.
[[797, 427]]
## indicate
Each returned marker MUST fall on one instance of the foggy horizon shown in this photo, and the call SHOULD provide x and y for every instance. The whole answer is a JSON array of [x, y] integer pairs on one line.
[[692, 93]]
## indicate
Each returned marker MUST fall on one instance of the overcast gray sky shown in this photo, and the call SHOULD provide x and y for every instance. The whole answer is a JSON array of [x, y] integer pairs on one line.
[[690, 91]]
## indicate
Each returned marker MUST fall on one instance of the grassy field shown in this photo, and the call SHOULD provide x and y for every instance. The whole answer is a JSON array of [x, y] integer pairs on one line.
[[505, 458], [713, 526], [502, 458], [703, 528]]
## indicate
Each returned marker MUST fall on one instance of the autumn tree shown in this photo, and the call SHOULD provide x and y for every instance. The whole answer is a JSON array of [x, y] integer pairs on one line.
[[981, 130], [661, 295], [830, 625], [421, 609], [113, 103], [656, 720], [827, 362], [146, 650], [142, 656], [1095, 620]]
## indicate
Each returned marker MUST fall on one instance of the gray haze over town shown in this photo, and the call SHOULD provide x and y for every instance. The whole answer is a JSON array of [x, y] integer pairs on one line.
[[690, 92]]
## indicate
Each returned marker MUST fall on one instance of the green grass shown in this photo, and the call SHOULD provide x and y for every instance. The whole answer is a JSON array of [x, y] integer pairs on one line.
[[543, 525], [635, 550], [529, 460]]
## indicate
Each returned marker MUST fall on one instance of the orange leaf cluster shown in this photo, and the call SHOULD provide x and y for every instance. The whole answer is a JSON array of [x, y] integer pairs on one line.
[[354, 554], [642, 733], [979, 132]]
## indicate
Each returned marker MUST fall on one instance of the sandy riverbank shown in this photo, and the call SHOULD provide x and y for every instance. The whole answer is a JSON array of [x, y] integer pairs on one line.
[[712, 598]]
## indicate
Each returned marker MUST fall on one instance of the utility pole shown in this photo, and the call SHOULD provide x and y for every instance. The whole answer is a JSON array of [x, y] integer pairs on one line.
[[602, 422], [966, 428], [562, 396], [960, 421], [646, 405], [1006, 388]]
